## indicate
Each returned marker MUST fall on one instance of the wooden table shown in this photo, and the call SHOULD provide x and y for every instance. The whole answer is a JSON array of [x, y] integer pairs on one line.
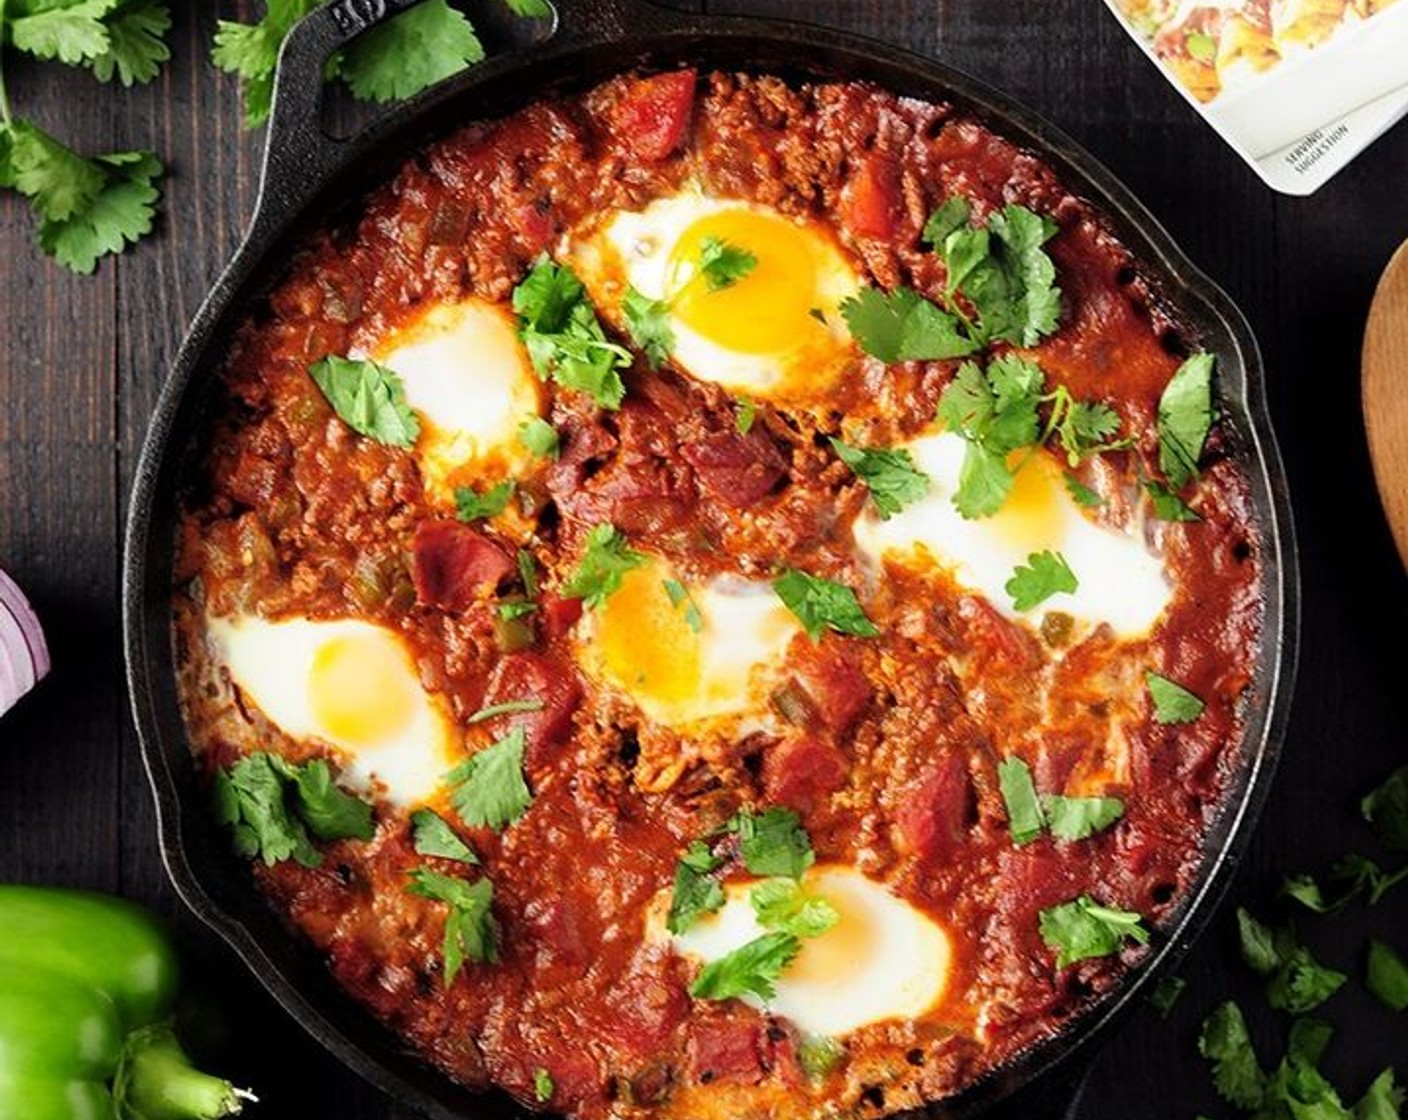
[[83, 358]]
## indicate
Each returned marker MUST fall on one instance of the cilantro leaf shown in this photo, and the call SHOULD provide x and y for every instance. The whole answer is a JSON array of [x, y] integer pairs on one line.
[[648, 320], [821, 603], [773, 842], [488, 787], [470, 930], [723, 265], [272, 806], [58, 181], [1348, 878], [119, 215], [1076, 818], [1172, 702], [903, 326], [1184, 419], [1226, 1043], [1045, 574], [1081, 493], [1169, 991], [1084, 428], [1386, 809], [73, 33], [751, 969], [996, 412], [432, 836], [564, 337], [1082, 929], [251, 51], [1025, 819], [984, 481], [543, 1086], [952, 215], [891, 476], [1387, 976], [369, 398], [1168, 506], [470, 505], [409, 52], [136, 42], [696, 891], [679, 595], [818, 1056], [539, 437], [605, 562], [782, 904], [1259, 946], [1383, 1101], [1296, 981]]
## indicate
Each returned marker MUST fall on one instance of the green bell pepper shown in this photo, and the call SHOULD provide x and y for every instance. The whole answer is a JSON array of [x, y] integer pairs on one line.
[[87, 988]]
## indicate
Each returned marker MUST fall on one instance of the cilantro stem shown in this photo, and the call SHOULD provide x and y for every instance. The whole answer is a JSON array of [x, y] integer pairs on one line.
[[5, 117]]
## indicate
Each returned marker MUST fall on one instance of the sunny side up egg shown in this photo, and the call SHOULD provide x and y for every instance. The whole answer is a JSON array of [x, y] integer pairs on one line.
[[883, 959], [775, 334], [348, 684], [1120, 580], [691, 653], [469, 380]]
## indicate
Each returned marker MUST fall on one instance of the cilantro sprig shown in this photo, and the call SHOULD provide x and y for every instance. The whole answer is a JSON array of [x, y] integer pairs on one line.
[[1044, 574], [822, 604], [1067, 818], [890, 474], [470, 930], [1295, 980], [488, 789], [772, 842], [564, 337], [475, 505], [696, 891], [1082, 928], [275, 809], [604, 564], [751, 969]]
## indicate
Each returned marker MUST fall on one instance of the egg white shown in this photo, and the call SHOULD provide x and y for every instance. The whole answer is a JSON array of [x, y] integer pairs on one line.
[[884, 959], [275, 665], [1121, 581], [470, 382], [635, 248]]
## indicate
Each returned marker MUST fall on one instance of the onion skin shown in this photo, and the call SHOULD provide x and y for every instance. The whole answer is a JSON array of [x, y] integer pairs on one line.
[[24, 658]]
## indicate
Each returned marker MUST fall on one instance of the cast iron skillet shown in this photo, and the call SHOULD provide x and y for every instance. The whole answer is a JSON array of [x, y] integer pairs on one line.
[[308, 177]]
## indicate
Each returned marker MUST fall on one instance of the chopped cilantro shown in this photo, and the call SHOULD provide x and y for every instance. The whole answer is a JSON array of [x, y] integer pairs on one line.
[[564, 337], [470, 931], [1082, 928], [1258, 944], [487, 789], [1168, 506], [1076, 818], [819, 1055], [1169, 991], [696, 891], [746, 414], [773, 842], [782, 904], [1296, 982], [1387, 976], [1024, 816], [432, 836], [369, 398], [508, 707], [1184, 419], [679, 595], [751, 969], [1045, 574], [1172, 702], [890, 475], [723, 265], [903, 326], [470, 505], [820, 604], [542, 1085], [1386, 809], [275, 808], [1226, 1043], [1348, 878], [648, 320], [1082, 493], [539, 437], [528, 572], [605, 562], [1383, 1101]]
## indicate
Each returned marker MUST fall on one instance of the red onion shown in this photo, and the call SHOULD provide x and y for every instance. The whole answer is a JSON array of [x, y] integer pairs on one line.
[[24, 658]]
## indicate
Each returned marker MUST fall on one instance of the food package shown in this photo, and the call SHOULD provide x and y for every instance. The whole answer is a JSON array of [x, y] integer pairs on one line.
[[1297, 87]]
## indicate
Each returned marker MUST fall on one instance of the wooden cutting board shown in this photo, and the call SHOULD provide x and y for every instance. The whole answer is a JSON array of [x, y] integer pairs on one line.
[[1385, 389]]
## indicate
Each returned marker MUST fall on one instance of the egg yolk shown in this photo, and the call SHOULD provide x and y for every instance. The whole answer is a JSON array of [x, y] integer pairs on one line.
[[765, 310], [1030, 519], [646, 641], [360, 689], [852, 942]]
